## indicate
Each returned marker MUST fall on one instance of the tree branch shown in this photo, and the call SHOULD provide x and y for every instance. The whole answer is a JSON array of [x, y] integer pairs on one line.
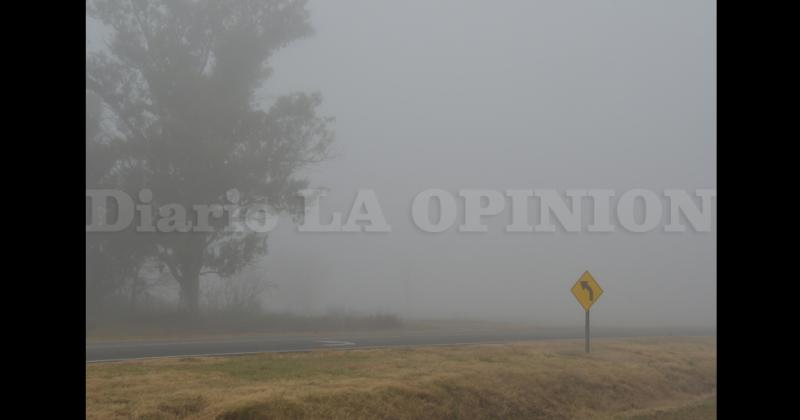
[[97, 89]]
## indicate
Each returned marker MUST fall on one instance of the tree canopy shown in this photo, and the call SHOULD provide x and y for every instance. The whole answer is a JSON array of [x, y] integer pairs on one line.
[[177, 115]]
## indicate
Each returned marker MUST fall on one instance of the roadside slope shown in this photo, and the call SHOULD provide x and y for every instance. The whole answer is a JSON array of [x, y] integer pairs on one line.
[[621, 378]]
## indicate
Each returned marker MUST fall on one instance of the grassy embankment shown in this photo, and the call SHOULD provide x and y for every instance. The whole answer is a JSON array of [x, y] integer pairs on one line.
[[669, 378]]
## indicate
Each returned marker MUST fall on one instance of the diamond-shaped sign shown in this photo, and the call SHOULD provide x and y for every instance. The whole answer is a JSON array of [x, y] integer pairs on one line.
[[587, 290]]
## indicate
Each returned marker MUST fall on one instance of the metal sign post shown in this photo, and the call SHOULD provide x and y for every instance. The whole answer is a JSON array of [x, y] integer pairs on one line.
[[587, 331]]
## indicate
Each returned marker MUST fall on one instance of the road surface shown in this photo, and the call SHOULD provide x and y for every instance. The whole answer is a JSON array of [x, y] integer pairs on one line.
[[107, 351]]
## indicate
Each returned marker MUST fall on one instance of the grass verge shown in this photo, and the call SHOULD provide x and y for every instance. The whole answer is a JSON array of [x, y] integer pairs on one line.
[[653, 378]]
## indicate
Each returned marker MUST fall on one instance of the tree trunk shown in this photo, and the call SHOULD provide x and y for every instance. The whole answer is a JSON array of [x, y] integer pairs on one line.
[[134, 293], [185, 266], [190, 289]]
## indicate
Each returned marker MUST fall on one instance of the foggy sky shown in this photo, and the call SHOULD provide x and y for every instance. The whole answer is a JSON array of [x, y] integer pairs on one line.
[[504, 95]]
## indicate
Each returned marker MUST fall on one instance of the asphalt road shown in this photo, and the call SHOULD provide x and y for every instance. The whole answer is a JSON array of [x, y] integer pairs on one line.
[[106, 351]]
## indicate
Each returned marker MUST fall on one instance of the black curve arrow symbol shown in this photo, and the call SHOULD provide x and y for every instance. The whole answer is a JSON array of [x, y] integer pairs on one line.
[[585, 286]]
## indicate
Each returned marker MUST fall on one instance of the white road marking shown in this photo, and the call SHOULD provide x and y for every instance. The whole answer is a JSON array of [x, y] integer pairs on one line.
[[336, 343]]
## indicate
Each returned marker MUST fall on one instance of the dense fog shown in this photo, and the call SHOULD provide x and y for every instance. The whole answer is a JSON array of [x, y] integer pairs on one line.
[[451, 95]]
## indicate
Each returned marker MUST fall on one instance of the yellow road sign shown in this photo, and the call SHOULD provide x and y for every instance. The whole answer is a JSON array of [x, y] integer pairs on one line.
[[587, 290]]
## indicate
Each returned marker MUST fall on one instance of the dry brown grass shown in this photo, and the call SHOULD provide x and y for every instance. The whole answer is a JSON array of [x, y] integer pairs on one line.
[[630, 378]]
